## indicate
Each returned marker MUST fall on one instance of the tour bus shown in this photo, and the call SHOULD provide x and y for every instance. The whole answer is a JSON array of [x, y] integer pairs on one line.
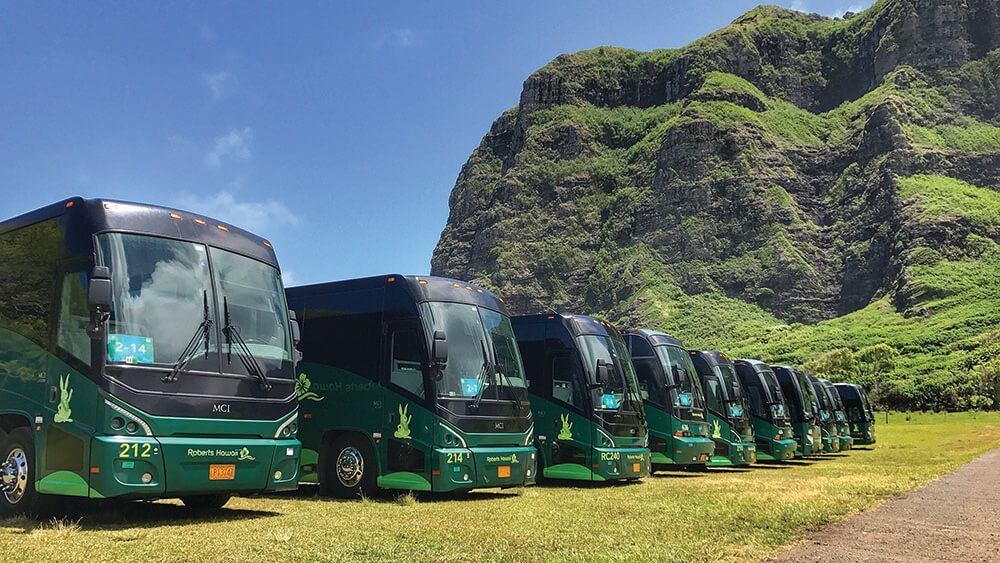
[[589, 421], [771, 425], [828, 423], [728, 411], [860, 415], [410, 383], [673, 400], [803, 409], [144, 353], [839, 415]]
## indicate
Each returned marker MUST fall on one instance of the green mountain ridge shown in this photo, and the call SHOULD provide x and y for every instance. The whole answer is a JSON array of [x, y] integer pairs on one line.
[[788, 188]]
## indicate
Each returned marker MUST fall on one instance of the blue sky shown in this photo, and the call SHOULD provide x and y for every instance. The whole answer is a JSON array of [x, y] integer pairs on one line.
[[335, 130]]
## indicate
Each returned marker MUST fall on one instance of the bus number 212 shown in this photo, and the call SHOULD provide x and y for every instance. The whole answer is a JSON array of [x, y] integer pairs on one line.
[[135, 450]]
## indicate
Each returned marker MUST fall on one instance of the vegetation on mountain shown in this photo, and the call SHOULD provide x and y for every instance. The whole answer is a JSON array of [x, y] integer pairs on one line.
[[792, 187]]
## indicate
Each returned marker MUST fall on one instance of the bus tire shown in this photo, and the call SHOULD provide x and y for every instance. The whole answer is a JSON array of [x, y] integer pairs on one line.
[[206, 503], [351, 470], [17, 471]]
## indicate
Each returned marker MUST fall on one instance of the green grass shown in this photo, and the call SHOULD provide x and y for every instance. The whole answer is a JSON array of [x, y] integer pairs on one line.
[[941, 196], [722, 514]]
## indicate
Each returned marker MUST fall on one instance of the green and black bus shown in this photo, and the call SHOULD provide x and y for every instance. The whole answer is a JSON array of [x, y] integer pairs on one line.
[[827, 420], [589, 421], [803, 409], [144, 353], [728, 410], [410, 383], [673, 400], [839, 415], [860, 415], [772, 426]]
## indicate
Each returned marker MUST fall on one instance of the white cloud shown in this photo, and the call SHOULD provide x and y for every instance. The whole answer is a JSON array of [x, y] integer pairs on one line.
[[798, 5], [852, 8], [220, 84], [402, 37], [259, 217], [234, 145]]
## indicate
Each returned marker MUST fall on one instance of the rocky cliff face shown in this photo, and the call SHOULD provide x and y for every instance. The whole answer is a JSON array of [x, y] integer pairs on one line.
[[758, 165]]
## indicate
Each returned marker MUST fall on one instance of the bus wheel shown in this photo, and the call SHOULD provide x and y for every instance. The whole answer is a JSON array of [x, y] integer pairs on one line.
[[17, 474], [351, 470], [206, 503]]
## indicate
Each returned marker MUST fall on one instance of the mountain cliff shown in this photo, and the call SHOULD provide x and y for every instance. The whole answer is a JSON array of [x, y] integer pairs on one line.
[[790, 187]]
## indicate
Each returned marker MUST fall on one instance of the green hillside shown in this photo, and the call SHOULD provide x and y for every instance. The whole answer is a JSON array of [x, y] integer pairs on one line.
[[791, 187]]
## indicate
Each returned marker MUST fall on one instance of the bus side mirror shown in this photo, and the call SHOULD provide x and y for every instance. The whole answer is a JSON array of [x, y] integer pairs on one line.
[[603, 371], [99, 289], [439, 349], [293, 323]]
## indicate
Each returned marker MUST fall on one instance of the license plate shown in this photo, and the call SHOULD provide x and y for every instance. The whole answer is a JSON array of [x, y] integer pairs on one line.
[[635, 468], [503, 471], [226, 472]]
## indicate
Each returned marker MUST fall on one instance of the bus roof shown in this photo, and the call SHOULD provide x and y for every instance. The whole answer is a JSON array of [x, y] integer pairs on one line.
[[656, 338], [713, 357], [421, 288], [577, 325], [757, 365], [91, 216]]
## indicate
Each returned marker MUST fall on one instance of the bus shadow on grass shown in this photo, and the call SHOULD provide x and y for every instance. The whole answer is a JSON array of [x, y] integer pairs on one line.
[[92, 515], [311, 493]]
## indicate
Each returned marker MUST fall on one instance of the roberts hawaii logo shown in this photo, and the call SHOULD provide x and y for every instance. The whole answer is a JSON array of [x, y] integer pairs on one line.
[[245, 455], [63, 411], [403, 430], [302, 386], [566, 432], [716, 430]]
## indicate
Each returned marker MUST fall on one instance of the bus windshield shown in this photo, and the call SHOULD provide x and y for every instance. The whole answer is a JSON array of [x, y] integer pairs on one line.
[[482, 351], [687, 395], [774, 394], [621, 387], [164, 291], [733, 389]]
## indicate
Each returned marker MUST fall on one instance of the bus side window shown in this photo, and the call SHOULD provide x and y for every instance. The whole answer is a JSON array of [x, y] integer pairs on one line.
[[406, 371], [562, 379], [74, 317]]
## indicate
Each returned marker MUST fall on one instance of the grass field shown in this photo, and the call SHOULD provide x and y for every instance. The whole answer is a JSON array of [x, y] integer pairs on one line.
[[729, 514]]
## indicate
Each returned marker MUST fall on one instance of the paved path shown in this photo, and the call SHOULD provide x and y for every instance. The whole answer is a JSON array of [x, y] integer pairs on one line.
[[955, 518]]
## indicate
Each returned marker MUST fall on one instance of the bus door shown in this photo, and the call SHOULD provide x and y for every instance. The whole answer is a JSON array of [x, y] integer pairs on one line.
[[407, 430], [568, 432]]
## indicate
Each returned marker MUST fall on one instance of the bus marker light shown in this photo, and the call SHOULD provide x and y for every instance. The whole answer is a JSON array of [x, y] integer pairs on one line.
[[679, 433], [307, 416], [200, 221], [436, 472], [267, 244], [422, 282], [69, 203], [95, 469], [391, 279], [222, 228], [175, 217]]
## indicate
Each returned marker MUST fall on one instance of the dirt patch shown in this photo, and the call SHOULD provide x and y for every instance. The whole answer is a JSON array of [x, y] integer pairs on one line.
[[955, 518]]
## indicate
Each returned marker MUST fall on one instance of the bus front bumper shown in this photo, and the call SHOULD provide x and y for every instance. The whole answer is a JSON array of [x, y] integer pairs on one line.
[[686, 450], [151, 467], [777, 450], [831, 444], [846, 442], [454, 469], [611, 464], [737, 454]]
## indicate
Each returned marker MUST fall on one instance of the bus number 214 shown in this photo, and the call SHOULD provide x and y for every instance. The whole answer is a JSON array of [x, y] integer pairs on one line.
[[135, 450]]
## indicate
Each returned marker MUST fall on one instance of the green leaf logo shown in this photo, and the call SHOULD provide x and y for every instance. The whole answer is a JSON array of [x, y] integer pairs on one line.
[[245, 455], [302, 386], [63, 412]]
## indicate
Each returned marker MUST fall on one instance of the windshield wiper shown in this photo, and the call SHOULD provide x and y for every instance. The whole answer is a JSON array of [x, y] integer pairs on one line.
[[242, 350], [188, 354], [509, 389], [481, 378]]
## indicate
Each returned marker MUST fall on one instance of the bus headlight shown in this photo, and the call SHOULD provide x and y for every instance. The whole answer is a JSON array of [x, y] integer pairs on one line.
[[147, 478], [117, 423]]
